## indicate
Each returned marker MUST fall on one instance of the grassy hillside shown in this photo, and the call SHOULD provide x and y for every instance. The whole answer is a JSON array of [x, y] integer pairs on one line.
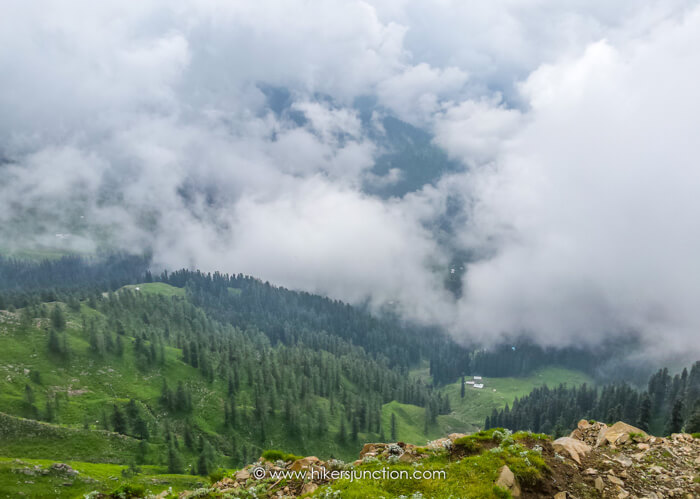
[[83, 388], [468, 413], [61, 403], [477, 404], [29, 438], [156, 288], [36, 478], [39, 254]]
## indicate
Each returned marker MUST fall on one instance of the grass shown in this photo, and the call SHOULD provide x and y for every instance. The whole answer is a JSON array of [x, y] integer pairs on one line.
[[469, 477], [468, 413], [40, 254], [33, 478], [477, 404], [24, 437], [278, 455], [156, 288]]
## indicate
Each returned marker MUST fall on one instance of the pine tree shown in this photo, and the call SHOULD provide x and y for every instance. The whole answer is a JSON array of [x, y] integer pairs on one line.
[[202, 465], [58, 319], [104, 420], [142, 452], [182, 398], [462, 391], [693, 423], [675, 422], [29, 395], [25, 320], [644, 418], [394, 429], [49, 413], [355, 428], [65, 347], [141, 427], [118, 421], [54, 342], [341, 432], [189, 437], [175, 463]]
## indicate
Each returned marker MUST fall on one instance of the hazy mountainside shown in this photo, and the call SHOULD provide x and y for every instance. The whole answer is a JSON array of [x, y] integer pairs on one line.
[[149, 366], [289, 316], [407, 158], [102, 362]]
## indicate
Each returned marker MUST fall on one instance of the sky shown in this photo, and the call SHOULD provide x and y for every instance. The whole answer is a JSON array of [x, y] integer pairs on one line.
[[145, 125]]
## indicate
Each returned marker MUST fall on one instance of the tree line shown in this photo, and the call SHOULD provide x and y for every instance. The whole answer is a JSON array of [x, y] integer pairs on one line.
[[669, 404]]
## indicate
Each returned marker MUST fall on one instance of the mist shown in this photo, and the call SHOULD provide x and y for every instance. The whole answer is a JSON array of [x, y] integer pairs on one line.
[[152, 127]]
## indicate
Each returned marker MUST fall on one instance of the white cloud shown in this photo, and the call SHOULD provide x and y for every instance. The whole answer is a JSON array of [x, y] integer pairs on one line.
[[577, 119], [591, 205]]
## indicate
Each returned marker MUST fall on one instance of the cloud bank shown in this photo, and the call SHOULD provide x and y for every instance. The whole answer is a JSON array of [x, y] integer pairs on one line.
[[149, 126]]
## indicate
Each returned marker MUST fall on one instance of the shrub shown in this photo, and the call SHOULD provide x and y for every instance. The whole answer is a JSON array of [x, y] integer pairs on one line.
[[216, 476], [467, 445], [524, 435], [500, 493], [278, 455], [129, 491], [131, 471]]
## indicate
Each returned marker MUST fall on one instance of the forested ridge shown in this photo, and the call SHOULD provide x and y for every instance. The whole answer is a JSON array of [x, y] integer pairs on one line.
[[214, 368], [668, 405], [248, 393], [285, 315]]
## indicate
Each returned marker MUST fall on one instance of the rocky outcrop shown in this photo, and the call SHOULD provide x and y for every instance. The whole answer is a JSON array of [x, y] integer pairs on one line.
[[620, 433], [575, 449], [506, 480], [618, 461], [623, 461]]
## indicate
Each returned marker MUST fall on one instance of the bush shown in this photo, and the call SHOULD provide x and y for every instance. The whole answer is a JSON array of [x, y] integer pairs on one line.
[[131, 471], [525, 435], [216, 476], [130, 491], [278, 455], [467, 445]]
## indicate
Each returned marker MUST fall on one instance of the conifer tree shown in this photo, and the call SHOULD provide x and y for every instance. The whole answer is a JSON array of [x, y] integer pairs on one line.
[[54, 342], [202, 465], [142, 452], [175, 463], [644, 418], [58, 319], [675, 422], [342, 437], [118, 420], [25, 320], [693, 423]]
